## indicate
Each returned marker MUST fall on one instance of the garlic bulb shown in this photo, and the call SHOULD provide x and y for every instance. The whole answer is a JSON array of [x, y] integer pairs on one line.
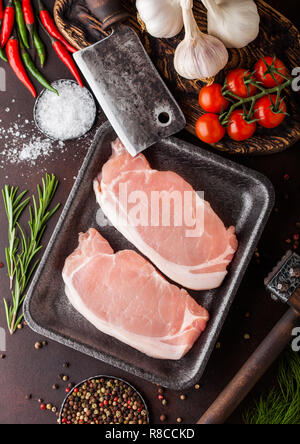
[[235, 22], [198, 56], [163, 18]]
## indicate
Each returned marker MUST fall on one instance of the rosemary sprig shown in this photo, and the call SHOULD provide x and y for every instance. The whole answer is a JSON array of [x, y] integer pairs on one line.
[[22, 250], [14, 206]]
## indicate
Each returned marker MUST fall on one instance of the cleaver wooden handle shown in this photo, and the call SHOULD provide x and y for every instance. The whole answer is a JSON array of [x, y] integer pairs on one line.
[[109, 12]]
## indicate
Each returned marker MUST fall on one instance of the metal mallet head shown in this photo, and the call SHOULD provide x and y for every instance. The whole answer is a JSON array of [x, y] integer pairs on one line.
[[284, 281]]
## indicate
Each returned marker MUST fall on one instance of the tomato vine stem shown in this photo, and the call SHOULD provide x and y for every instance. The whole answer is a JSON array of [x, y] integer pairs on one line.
[[241, 102]]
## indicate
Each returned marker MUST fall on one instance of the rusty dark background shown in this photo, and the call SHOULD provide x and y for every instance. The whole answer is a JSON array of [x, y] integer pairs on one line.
[[27, 371]]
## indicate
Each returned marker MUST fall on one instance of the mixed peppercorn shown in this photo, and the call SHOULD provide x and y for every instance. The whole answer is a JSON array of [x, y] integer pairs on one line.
[[104, 401], [18, 26]]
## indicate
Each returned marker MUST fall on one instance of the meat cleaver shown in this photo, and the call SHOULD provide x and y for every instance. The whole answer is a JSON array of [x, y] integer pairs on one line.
[[126, 84]]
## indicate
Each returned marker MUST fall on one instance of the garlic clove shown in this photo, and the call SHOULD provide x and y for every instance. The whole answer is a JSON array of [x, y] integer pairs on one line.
[[198, 56], [162, 18], [235, 22]]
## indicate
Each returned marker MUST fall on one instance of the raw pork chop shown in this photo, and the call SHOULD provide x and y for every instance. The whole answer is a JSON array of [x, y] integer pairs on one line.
[[125, 297], [198, 262]]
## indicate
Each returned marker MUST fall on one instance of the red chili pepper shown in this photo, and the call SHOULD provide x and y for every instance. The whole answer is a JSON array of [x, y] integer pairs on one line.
[[1, 11], [67, 59], [28, 12], [29, 18], [51, 27], [15, 61], [8, 23]]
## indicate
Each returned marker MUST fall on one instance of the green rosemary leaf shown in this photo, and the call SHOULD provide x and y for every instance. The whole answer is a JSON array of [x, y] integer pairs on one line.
[[8, 318], [22, 249]]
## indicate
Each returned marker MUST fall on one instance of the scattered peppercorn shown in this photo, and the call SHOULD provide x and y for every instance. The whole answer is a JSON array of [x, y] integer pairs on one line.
[[49, 406], [20, 326], [179, 420], [66, 365], [218, 345], [44, 343], [65, 378], [55, 387], [183, 397], [163, 418], [197, 386], [103, 401], [2, 356], [164, 402], [38, 345], [28, 397], [247, 336], [40, 400]]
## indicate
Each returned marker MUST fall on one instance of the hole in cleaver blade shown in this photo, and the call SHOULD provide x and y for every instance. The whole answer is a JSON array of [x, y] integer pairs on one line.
[[130, 90]]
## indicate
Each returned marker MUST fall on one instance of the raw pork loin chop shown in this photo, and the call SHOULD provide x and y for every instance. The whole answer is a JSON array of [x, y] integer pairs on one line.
[[124, 296], [198, 263]]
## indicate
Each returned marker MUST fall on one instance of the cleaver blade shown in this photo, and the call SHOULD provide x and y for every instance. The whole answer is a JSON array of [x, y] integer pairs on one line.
[[129, 89]]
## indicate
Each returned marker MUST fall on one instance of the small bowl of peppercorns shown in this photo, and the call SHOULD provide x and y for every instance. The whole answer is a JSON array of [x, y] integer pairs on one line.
[[104, 400]]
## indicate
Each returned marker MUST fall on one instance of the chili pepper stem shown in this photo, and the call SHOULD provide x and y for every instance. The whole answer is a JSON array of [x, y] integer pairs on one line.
[[30, 31], [3, 56]]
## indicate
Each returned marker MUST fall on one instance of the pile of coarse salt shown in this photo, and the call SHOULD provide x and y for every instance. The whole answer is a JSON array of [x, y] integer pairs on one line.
[[14, 147], [67, 116]]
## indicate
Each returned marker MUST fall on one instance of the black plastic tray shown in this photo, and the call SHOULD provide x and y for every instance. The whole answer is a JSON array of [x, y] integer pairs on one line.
[[241, 197]]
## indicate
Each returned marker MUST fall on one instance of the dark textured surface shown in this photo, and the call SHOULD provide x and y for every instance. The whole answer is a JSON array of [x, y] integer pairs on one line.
[[26, 370], [129, 90], [47, 308]]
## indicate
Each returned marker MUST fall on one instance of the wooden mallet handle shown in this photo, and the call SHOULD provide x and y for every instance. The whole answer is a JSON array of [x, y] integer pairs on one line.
[[109, 12], [252, 371]]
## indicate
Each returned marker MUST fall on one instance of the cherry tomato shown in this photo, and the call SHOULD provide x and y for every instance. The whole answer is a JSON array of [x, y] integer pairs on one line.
[[236, 83], [267, 80], [209, 128], [264, 113], [212, 100], [239, 129]]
